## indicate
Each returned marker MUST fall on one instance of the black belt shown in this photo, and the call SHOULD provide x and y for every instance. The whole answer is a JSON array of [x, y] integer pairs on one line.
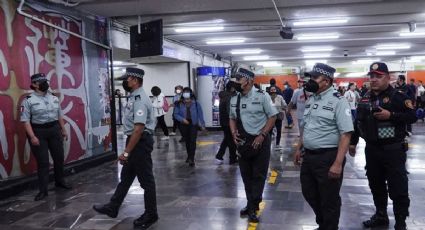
[[45, 125], [322, 150], [144, 133]]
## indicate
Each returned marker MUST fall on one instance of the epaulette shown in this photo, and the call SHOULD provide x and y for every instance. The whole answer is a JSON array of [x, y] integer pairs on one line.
[[54, 94], [260, 91], [137, 97], [337, 94], [29, 96]]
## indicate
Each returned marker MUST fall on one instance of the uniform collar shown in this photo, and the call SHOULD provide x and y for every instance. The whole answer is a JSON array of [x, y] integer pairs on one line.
[[137, 91], [249, 94], [322, 94]]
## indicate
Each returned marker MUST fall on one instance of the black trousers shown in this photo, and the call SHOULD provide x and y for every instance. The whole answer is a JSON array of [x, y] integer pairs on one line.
[[190, 134], [321, 192], [254, 174], [387, 174], [175, 125], [278, 125], [139, 165], [227, 142], [50, 140], [161, 123]]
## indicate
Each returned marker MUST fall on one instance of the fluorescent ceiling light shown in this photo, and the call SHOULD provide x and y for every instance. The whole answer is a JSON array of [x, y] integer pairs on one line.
[[412, 60], [365, 61], [269, 64], [317, 49], [312, 62], [383, 53], [253, 58], [392, 46], [226, 41], [198, 29], [215, 21], [417, 57], [320, 22], [316, 55], [317, 36], [246, 51], [412, 34]]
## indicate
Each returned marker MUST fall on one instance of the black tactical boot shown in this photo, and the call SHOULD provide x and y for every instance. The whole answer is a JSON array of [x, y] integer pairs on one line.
[[400, 222], [379, 219]]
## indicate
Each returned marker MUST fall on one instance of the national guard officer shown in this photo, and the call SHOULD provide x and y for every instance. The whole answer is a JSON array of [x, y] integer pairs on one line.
[[139, 124], [383, 114], [325, 138], [44, 126], [252, 116]]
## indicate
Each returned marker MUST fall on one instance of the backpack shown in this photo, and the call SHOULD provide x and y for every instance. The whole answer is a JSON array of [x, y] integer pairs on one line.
[[166, 106], [420, 114]]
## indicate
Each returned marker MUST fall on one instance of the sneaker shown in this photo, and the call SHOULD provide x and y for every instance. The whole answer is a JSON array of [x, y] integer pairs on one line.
[[164, 138], [172, 134], [218, 161]]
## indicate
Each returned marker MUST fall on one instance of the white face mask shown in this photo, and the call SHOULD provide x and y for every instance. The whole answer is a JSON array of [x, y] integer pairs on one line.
[[186, 95], [178, 91]]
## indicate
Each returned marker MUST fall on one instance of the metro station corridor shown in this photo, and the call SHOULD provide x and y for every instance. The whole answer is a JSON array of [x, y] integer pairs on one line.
[[209, 196]]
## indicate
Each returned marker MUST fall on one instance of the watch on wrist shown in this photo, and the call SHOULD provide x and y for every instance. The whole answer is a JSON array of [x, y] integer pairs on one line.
[[125, 154]]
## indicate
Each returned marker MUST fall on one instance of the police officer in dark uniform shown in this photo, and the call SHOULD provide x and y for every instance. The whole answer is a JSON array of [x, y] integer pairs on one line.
[[44, 125], [252, 116], [382, 117], [139, 125]]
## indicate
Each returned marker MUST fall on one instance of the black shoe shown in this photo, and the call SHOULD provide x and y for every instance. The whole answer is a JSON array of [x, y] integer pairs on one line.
[[400, 222], [376, 220], [63, 185], [231, 162], [253, 218], [191, 163], [187, 160], [145, 221], [244, 211], [40, 196], [106, 209]]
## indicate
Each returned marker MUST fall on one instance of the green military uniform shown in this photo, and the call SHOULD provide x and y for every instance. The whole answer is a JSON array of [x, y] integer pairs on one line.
[[138, 110], [326, 117], [42, 110], [255, 108]]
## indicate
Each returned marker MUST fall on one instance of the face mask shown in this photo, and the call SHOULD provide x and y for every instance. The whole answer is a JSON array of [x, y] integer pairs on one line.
[[125, 86], [178, 91], [238, 87], [311, 86], [286, 86], [186, 95], [43, 86]]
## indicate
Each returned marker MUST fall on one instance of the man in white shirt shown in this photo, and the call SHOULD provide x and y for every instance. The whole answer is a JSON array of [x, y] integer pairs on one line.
[[420, 95], [352, 98], [299, 98]]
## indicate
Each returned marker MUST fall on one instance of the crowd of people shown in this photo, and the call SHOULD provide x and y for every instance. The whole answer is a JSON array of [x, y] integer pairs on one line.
[[330, 123]]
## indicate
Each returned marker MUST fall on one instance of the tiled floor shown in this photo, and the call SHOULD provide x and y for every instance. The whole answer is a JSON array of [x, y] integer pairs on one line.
[[208, 196]]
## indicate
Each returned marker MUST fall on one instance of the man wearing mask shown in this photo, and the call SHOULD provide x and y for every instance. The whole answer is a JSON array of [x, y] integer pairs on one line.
[[273, 84], [139, 125], [420, 96], [224, 109], [299, 98], [252, 116], [352, 98], [42, 117], [325, 138], [382, 115], [403, 87], [287, 95], [280, 105]]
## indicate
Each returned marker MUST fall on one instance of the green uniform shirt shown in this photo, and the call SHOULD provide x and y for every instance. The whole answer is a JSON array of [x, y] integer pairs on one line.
[[40, 109], [138, 110], [327, 115], [256, 108]]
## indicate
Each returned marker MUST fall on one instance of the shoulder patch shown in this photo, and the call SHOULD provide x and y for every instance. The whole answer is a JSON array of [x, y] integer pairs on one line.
[[27, 97], [337, 94], [260, 91]]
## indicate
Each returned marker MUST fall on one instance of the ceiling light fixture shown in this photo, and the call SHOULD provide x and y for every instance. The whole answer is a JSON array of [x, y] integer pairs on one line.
[[365, 61], [246, 51], [198, 29], [222, 41], [316, 55], [254, 58], [214, 21], [417, 57], [359, 74], [412, 34], [384, 53], [269, 64], [320, 22], [392, 46], [317, 36], [317, 49]]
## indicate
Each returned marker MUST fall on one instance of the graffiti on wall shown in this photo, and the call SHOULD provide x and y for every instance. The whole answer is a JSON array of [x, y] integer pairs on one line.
[[28, 47]]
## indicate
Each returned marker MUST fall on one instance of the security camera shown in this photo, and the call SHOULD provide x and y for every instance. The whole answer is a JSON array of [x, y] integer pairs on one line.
[[345, 53]]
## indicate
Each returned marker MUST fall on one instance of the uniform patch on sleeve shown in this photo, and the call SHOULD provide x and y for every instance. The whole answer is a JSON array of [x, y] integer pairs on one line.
[[139, 112], [328, 108], [22, 109], [348, 112], [408, 104], [233, 105]]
